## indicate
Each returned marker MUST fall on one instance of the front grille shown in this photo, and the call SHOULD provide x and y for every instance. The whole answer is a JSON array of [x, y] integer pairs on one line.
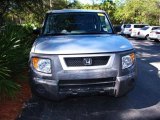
[[79, 61]]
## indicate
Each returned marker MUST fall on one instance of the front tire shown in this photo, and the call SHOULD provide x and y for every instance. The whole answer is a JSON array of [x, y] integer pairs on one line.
[[147, 37]]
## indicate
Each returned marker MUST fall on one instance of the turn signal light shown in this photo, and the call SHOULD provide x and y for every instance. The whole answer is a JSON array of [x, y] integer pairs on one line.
[[35, 62], [132, 56]]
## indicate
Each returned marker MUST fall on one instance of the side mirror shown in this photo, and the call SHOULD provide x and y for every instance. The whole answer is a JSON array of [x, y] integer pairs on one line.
[[37, 31], [117, 29]]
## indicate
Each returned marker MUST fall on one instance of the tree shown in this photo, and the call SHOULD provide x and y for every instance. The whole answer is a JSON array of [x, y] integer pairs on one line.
[[4, 5], [75, 5], [106, 5], [22, 9], [138, 11]]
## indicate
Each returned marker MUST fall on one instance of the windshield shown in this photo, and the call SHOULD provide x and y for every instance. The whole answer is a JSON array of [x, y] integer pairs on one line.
[[77, 23], [127, 26], [145, 28]]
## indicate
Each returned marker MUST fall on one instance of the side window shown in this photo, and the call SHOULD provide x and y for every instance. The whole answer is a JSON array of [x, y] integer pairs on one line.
[[49, 25], [155, 28], [139, 26], [136, 26], [105, 26], [46, 30]]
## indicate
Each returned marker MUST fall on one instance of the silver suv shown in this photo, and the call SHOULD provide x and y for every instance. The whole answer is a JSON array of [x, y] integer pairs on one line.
[[78, 53]]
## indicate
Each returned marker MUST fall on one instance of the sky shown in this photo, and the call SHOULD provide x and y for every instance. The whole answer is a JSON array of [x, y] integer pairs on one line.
[[85, 1], [88, 1]]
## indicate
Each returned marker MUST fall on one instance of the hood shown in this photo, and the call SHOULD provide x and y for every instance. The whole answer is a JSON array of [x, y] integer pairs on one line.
[[80, 44]]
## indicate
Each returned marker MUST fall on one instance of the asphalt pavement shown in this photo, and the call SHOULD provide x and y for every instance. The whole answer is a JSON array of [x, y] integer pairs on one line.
[[142, 103]]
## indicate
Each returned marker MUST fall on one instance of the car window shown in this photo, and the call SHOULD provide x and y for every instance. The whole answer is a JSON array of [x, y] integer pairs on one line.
[[154, 28], [145, 28], [139, 26], [128, 26], [77, 23], [104, 23], [157, 29], [124, 26]]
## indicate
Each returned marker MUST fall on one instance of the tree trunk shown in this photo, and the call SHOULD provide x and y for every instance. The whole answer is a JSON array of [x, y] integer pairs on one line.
[[50, 4]]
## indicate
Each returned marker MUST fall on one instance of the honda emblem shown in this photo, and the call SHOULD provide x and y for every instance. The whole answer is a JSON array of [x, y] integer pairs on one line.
[[87, 61]]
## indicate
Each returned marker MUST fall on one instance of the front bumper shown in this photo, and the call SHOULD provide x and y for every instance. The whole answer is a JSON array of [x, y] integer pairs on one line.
[[127, 32], [155, 37], [63, 83], [141, 36], [50, 89], [134, 34]]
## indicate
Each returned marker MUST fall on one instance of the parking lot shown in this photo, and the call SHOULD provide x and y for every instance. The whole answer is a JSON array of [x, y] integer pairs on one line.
[[141, 103]]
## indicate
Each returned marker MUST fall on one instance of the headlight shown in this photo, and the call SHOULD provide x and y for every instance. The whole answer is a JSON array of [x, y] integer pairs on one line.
[[42, 64], [128, 60]]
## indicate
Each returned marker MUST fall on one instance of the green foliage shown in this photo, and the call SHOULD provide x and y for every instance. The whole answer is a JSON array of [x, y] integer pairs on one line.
[[8, 88], [128, 11], [15, 43], [30, 11], [139, 11], [106, 5], [75, 5]]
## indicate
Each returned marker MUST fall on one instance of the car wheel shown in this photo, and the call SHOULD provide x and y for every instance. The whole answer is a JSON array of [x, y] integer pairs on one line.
[[147, 37]]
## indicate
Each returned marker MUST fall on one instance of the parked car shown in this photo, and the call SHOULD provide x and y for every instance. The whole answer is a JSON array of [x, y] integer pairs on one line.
[[122, 28], [131, 29], [79, 53], [155, 35], [144, 32]]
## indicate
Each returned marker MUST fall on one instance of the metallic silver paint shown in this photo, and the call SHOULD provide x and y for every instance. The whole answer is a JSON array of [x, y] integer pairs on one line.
[[56, 48], [81, 44]]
